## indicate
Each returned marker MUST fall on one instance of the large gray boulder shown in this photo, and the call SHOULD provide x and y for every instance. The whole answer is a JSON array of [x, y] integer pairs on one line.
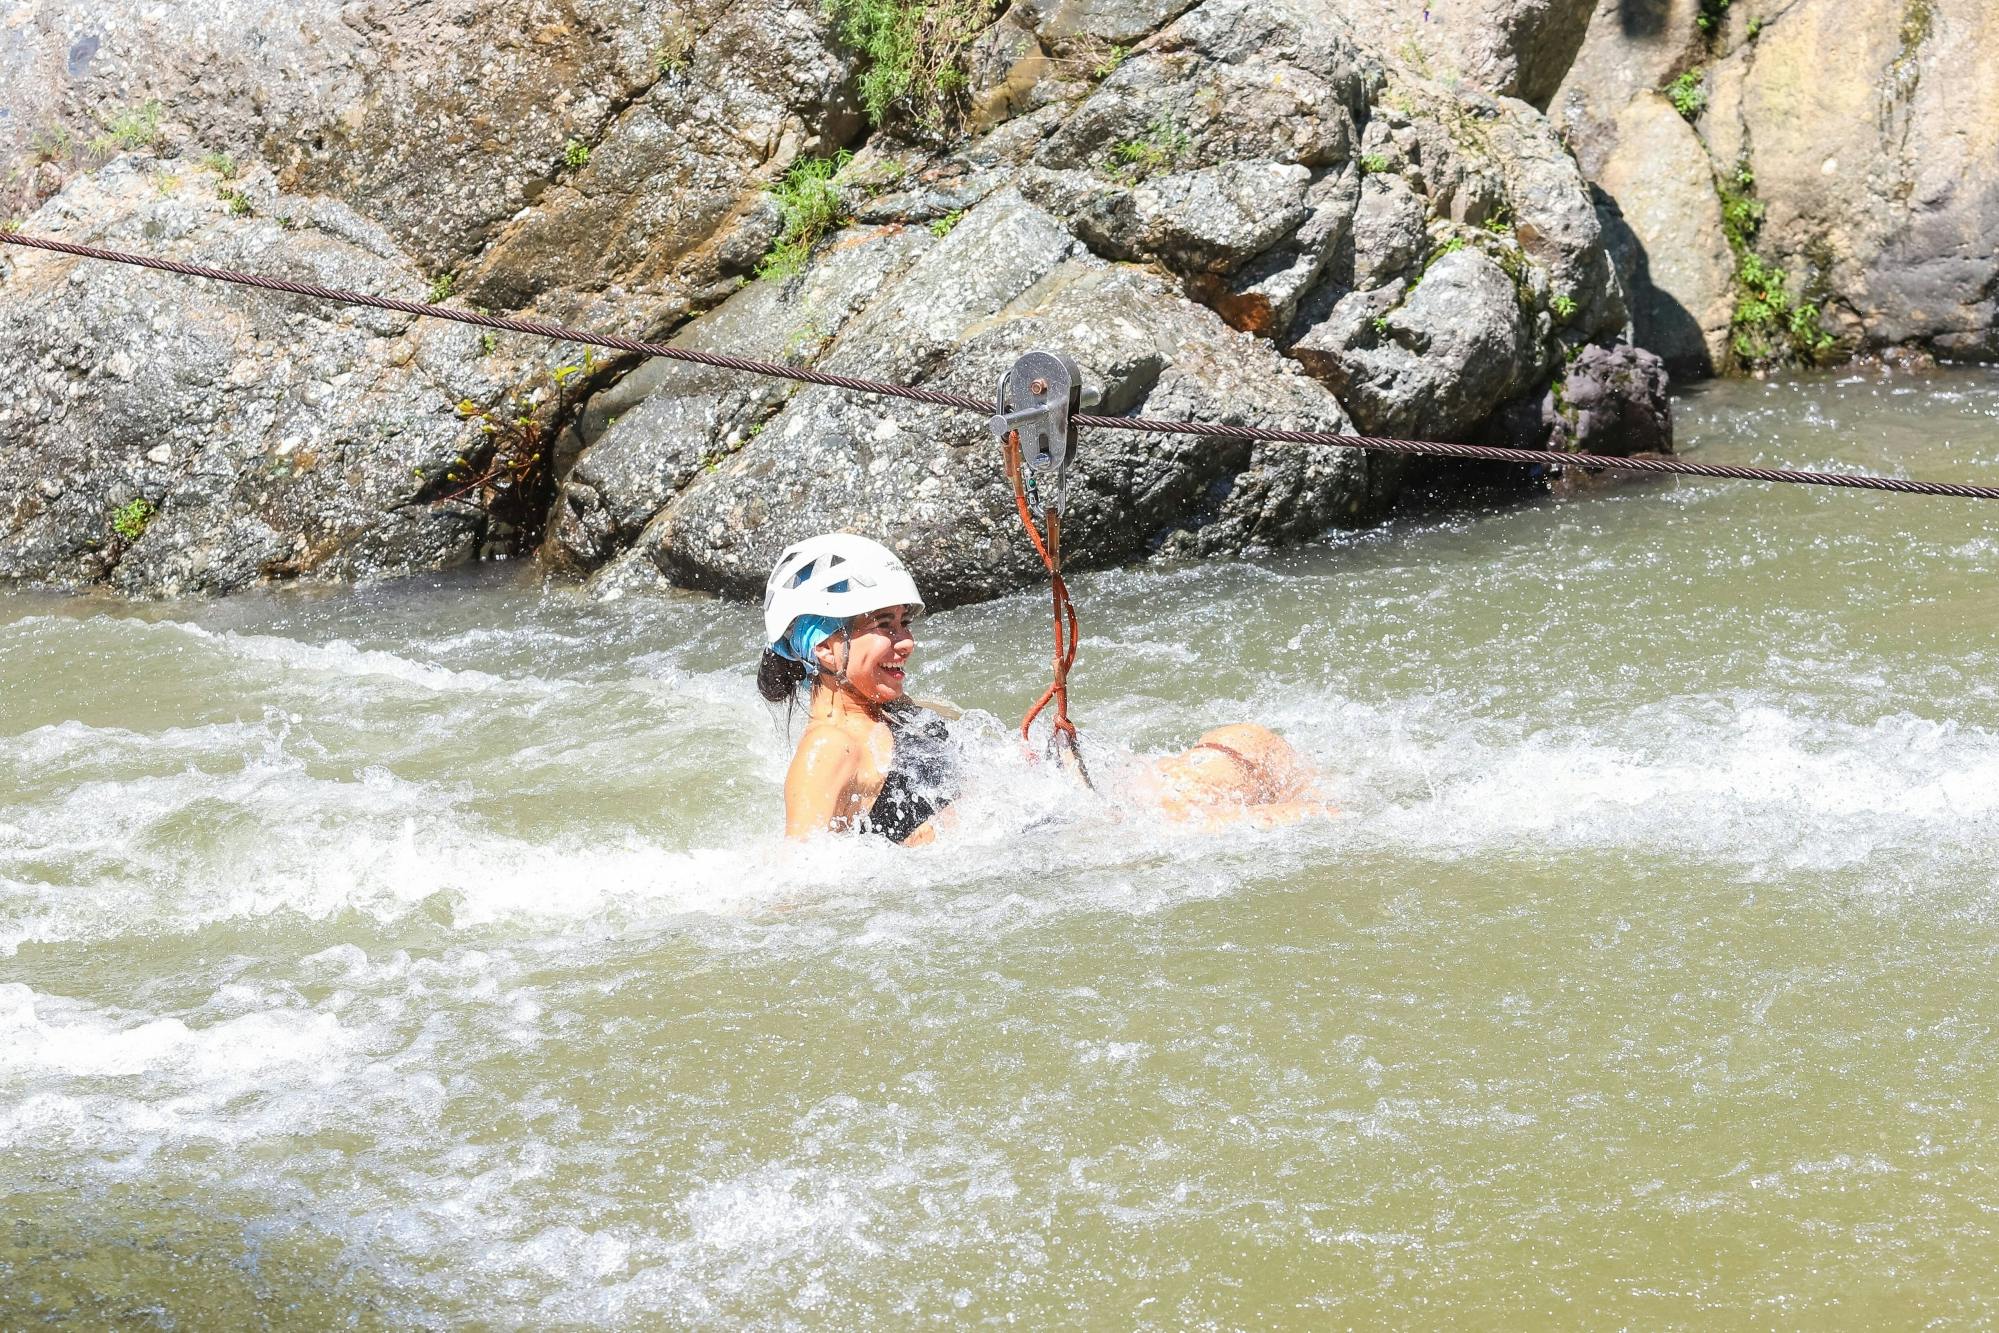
[[928, 481], [1437, 360], [165, 436]]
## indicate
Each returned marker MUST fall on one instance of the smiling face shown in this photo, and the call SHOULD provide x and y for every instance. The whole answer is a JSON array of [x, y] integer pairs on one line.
[[874, 653]]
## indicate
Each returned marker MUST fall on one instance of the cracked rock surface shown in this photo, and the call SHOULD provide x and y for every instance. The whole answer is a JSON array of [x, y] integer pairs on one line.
[[1247, 211]]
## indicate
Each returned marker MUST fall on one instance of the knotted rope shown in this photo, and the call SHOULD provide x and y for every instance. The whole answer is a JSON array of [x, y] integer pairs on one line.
[[1047, 539]]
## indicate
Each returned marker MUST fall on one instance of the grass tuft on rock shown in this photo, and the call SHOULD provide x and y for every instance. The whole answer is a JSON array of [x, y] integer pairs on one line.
[[1159, 149], [811, 202], [129, 521], [130, 130], [915, 52], [1688, 94]]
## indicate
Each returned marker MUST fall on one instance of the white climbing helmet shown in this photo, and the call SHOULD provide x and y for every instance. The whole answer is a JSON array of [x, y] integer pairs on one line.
[[834, 574]]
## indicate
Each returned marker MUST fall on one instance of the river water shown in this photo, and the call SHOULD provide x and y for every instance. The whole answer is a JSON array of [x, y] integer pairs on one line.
[[426, 954]]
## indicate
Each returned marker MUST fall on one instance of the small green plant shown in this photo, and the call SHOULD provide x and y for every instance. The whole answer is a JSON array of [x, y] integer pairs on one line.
[[221, 164], [1710, 17], [568, 371], [810, 203], [129, 521], [1756, 28], [1380, 323], [1373, 164], [1161, 146], [10, 224], [505, 468], [51, 146], [1688, 94], [1110, 61], [1563, 305], [440, 288], [914, 54], [941, 227], [131, 129], [1449, 247], [576, 153], [234, 200], [1501, 221], [286, 222], [487, 342], [675, 50], [1770, 325], [1741, 217]]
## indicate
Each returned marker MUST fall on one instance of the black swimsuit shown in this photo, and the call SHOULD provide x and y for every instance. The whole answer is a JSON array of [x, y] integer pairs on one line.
[[922, 775]]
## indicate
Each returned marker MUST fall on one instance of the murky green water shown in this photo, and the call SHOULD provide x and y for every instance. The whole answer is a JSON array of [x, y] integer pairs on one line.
[[426, 955]]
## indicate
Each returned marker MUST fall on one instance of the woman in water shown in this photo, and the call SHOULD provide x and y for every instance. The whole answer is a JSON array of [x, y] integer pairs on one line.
[[837, 617]]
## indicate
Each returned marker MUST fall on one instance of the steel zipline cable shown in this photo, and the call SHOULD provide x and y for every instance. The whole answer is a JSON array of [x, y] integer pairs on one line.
[[854, 384]]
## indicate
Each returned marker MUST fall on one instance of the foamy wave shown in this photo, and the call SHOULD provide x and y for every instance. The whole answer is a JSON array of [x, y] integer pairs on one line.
[[43, 1036], [339, 658]]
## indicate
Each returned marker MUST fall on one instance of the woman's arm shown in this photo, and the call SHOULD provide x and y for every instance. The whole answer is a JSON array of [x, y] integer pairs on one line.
[[926, 832], [819, 787]]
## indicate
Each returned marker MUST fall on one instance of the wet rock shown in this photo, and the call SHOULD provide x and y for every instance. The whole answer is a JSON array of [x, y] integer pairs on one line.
[[1611, 401]]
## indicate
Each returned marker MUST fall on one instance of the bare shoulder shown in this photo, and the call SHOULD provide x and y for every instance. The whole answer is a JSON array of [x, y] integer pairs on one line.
[[826, 750]]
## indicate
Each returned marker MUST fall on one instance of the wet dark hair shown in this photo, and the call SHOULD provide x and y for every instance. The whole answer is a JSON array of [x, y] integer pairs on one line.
[[778, 678]]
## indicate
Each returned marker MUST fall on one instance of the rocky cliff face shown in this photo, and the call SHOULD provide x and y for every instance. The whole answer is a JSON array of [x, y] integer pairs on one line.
[[1796, 179], [1251, 211]]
